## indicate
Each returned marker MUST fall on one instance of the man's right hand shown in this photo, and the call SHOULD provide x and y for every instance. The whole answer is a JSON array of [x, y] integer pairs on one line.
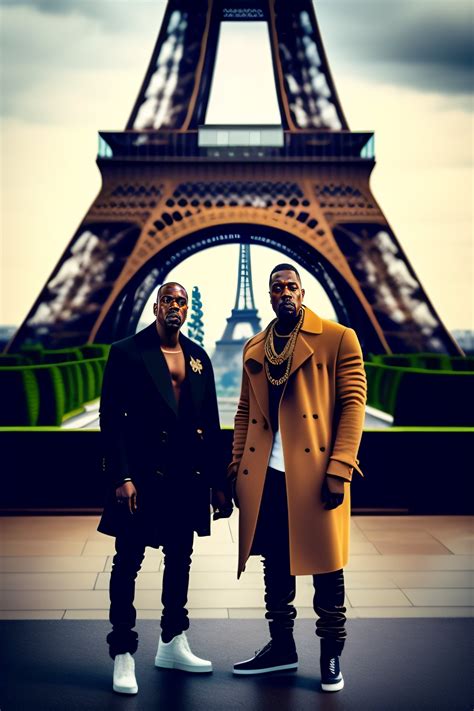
[[232, 470], [127, 494], [232, 476]]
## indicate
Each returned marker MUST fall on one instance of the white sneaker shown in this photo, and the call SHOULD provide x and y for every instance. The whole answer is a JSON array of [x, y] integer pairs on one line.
[[124, 674], [177, 655]]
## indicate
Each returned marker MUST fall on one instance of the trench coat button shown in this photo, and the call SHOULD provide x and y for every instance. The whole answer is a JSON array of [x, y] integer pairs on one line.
[[322, 449], [164, 436], [197, 473], [246, 471], [199, 431], [159, 473], [252, 449], [319, 366], [315, 416], [307, 450], [254, 421], [125, 414], [304, 417]]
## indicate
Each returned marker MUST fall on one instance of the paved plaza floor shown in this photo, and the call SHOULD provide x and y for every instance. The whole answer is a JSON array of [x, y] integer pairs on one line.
[[57, 567]]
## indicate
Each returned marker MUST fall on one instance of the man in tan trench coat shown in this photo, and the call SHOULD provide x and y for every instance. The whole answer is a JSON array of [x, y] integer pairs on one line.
[[297, 431]]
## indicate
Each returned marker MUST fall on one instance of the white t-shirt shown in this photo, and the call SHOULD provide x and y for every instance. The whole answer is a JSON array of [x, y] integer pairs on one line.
[[276, 458]]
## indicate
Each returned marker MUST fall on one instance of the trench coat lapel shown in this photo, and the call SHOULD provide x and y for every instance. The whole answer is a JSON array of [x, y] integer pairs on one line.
[[312, 323], [253, 364], [148, 342], [302, 352]]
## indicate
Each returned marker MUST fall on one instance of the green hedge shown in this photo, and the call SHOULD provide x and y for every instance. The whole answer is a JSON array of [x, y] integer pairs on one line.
[[422, 397], [40, 387], [34, 353], [434, 398], [19, 401], [459, 363], [73, 385], [44, 394], [95, 350], [9, 359], [425, 361], [52, 394], [62, 355]]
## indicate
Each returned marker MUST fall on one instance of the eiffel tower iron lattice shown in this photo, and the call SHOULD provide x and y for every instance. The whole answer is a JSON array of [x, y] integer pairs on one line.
[[243, 323], [172, 186]]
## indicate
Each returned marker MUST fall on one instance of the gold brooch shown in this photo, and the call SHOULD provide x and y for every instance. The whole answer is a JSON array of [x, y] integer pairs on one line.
[[196, 365]]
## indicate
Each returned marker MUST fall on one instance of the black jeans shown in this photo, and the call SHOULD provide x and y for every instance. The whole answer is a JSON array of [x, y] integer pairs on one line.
[[127, 561], [272, 541]]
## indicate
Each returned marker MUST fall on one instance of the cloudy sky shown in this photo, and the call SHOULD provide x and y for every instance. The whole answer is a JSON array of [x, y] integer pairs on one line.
[[403, 69]]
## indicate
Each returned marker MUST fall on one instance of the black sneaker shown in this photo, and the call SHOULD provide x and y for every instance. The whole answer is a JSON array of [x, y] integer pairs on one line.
[[269, 659], [331, 677]]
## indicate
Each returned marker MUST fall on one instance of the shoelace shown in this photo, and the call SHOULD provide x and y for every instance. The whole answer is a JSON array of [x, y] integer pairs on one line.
[[332, 665], [124, 665], [264, 649]]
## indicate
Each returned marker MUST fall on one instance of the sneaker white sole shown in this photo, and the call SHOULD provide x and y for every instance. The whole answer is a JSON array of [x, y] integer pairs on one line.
[[333, 687], [267, 670], [125, 689], [168, 664]]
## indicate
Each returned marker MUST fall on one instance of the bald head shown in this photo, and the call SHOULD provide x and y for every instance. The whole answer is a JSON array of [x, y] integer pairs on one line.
[[171, 284]]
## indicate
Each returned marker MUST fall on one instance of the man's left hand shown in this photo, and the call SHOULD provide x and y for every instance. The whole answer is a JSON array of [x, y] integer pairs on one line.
[[332, 492], [222, 504]]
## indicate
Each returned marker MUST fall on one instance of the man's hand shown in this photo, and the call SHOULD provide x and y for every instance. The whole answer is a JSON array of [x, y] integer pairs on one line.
[[127, 494], [222, 504], [332, 492], [232, 478]]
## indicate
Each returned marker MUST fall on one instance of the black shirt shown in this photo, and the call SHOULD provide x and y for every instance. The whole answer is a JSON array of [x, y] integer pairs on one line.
[[276, 391]]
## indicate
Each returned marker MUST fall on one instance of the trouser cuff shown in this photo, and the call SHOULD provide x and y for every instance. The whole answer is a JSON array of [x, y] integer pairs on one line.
[[171, 628], [332, 647], [121, 642]]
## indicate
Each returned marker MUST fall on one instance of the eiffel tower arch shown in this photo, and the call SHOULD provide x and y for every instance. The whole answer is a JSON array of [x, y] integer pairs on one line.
[[172, 185]]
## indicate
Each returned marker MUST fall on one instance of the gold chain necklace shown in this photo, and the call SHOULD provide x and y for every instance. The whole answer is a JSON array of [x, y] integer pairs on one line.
[[270, 351], [277, 359], [284, 377]]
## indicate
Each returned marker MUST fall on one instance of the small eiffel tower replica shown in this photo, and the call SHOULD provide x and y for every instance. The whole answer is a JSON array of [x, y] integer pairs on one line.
[[172, 185], [242, 324]]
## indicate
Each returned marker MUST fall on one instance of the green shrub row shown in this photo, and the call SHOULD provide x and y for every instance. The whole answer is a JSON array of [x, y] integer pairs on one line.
[[43, 394], [421, 397], [425, 361], [38, 355]]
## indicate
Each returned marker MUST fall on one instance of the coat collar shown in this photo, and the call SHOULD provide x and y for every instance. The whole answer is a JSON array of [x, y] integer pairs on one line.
[[148, 343], [255, 355]]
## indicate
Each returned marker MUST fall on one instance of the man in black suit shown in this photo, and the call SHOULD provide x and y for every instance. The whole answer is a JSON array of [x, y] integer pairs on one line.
[[160, 423]]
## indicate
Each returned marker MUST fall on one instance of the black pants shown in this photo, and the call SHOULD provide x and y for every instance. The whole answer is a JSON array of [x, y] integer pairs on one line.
[[272, 541], [127, 561]]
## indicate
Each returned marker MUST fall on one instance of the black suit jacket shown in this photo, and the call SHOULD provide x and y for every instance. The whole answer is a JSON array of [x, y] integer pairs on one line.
[[173, 455]]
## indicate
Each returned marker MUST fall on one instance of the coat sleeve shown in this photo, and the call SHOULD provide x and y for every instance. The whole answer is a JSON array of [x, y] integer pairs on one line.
[[112, 418], [218, 477], [351, 395], [241, 422]]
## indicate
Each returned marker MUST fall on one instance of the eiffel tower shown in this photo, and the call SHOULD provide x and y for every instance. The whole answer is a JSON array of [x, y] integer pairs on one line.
[[242, 324], [172, 186]]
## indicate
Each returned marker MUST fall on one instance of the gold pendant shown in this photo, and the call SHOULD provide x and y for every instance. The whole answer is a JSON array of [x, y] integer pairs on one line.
[[196, 365]]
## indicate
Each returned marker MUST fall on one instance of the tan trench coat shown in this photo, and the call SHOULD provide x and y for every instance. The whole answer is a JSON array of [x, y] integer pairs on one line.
[[321, 419]]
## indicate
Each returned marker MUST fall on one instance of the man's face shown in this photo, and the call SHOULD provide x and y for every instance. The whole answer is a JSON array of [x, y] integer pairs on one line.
[[286, 294], [172, 307]]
